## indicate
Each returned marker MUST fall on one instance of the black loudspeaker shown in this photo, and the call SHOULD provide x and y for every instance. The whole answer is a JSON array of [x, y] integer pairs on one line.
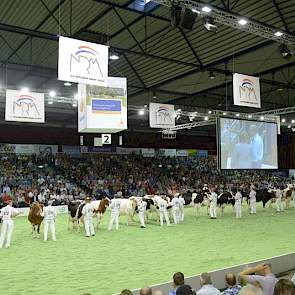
[[188, 19], [175, 15]]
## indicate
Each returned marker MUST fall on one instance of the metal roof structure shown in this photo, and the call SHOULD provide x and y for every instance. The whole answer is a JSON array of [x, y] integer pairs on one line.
[[162, 63]]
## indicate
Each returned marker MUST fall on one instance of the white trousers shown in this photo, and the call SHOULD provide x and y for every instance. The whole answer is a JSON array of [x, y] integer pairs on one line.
[[164, 214], [181, 212], [141, 218], [279, 205], [89, 228], [238, 208], [49, 224], [6, 233], [114, 218], [212, 210], [253, 206], [176, 215]]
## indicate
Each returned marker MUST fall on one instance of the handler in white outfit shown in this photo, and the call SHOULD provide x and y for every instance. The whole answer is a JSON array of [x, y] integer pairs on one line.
[[7, 213], [49, 214], [213, 203], [141, 212], [163, 211], [87, 212], [279, 200], [182, 202], [115, 212], [252, 197], [238, 204], [176, 209]]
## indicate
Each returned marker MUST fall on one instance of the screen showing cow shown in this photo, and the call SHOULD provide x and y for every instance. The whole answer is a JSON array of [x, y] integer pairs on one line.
[[247, 144]]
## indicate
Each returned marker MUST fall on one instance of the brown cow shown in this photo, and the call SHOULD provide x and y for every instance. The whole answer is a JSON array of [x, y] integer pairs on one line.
[[35, 218], [100, 209]]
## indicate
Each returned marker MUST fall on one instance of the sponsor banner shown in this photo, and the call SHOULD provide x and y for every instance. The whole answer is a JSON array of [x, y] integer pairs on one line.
[[127, 151], [148, 153], [24, 106], [246, 91], [27, 149], [202, 153], [170, 152], [6, 148], [103, 109], [192, 152], [63, 209], [71, 149], [47, 149], [82, 62], [181, 153], [161, 115]]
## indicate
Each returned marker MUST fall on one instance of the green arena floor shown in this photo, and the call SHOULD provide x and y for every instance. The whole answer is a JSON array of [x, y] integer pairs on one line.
[[133, 257]]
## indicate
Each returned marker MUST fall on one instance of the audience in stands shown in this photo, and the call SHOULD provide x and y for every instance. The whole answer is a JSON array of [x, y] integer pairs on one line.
[[145, 291], [284, 287], [231, 283], [178, 280], [207, 286], [185, 290], [126, 292], [265, 277], [251, 290]]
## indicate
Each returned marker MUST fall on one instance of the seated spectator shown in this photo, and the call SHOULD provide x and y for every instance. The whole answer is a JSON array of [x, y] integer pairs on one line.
[[251, 290], [145, 291], [293, 279], [158, 292], [126, 292], [284, 287], [178, 280], [231, 284], [185, 290], [207, 286], [265, 277]]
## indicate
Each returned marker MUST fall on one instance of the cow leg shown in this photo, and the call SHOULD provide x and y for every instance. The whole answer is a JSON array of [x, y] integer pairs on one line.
[[34, 231], [38, 231], [98, 219]]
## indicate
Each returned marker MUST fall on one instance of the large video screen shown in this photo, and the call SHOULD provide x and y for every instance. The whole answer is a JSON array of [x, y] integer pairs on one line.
[[247, 144]]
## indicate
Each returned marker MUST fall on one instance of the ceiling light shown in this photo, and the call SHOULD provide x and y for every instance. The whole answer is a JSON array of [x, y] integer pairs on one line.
[[206, 9], [206, 118], [224, 113], [50, 102], [237, 115], [280, 89], [278, 34], [249, 116], [293, 121], [145, 106], [196, 11], [209, 112], [52, 93], [212, 76], [25, 89], [68, 84], [283, 120], [261, 118], [242, 22], [285, 51], [209, 24], [74, 105], [114, 56], [141, 112], [289, 126]]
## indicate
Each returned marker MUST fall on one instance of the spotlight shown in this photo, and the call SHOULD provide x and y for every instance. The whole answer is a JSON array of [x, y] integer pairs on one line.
[[206, 9], [224, 113], [52, 93], [261, 118], [209, 112], [154, 95], [74, 105], [293, 121], [210, 25], [50, 102], [242, 22], [249, 116], [212, 76], [280, 89], [178, 111], [114, 56], [289, 126], [25, 89], [68, 84], [283, 120], [196, 11], [141, 112], [285, 52], [237, 115], [278, 34], [206, 118]]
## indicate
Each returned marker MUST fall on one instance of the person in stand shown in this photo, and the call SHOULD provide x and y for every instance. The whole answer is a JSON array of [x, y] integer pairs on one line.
[[213, 203], [115, 212], [279, 204], [238, 203], [87, 213], [181, 208], [176, 209], [49, 214], [141, 212], [6, 214], [163, 211], [252, 197]]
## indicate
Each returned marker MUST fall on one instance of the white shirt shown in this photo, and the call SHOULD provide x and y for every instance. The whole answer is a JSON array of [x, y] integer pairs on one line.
[[252, 195], [115, 206], [162, 205], [175, 203], [7, 213], [238, 198], [49, 213], [278, 194], [181, 201], [142, 206], [213, 197], [87, 210], [208, 290]]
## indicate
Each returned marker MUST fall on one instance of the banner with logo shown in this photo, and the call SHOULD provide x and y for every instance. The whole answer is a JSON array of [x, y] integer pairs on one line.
[[24, 106], [103, 109], [148, 153], [161, 115], [181, 153], [82, 62], [246, 91]]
